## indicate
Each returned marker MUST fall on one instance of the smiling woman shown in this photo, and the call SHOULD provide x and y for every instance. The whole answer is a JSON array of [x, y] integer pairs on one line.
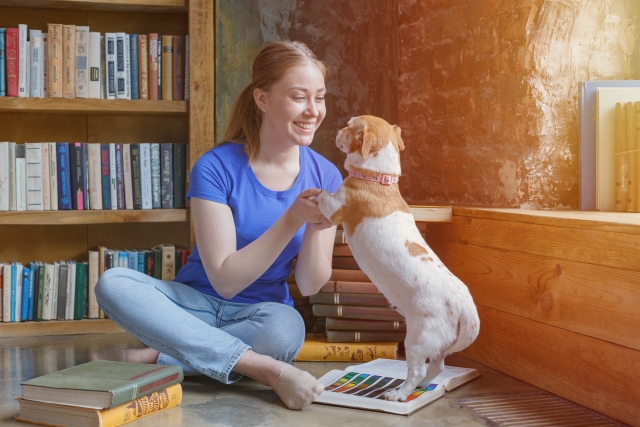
[[228, 312]]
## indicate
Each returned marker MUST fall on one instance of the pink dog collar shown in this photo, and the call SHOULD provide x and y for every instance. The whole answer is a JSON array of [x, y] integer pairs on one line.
[[382, 179]]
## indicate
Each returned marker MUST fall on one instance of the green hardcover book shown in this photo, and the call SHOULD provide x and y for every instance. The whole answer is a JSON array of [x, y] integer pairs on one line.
[[179, 159], [157, 263], [101, 384], [40, 292], [81, 277]]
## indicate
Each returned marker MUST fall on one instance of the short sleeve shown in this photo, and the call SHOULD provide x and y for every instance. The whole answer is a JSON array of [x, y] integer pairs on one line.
[[209, 179], [333, 178]]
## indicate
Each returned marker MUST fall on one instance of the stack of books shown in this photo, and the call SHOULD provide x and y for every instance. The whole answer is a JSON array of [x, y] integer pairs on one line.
[[101, 394], [65, 290], [38, 176], [70, 61]]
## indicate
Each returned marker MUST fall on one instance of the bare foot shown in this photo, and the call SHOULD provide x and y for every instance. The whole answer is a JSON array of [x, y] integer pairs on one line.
[[135, 355], [295, 388]]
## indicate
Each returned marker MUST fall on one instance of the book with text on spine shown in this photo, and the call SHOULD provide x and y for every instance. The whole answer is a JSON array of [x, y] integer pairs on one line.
[[363, 386], [316, 349]]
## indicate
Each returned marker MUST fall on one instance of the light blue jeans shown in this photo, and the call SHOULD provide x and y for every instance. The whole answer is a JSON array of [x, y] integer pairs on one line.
[[201, 333]]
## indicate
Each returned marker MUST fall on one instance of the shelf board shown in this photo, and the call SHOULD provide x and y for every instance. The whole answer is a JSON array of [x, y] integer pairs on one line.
[[10, 104], [58, 327], [118, 5], [92, 217]]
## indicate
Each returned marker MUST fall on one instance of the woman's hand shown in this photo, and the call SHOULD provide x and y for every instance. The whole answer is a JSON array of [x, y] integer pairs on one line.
[[305, 210]]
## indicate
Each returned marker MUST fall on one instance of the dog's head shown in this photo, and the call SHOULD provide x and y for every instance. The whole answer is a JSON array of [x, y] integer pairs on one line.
[[372, 144]]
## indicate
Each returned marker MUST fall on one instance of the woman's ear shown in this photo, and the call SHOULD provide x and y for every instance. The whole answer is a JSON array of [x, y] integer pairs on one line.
[[260, 97]]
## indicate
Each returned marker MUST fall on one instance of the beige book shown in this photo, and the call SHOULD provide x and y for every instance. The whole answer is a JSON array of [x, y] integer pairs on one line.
[[635, 146], [94, 257], [47, 293], [82, 62], [606, 100], [45, 65], [621, 158], [95, 176], [68, 61], [630, 159], [168, 261], [46, 186], [53, 176], [54, 60], [167, 72]]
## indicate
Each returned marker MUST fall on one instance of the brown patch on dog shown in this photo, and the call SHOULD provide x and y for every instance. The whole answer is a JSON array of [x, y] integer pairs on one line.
[[369, 134], [447, 303], [366, 199], [415, 249], [415, 279]]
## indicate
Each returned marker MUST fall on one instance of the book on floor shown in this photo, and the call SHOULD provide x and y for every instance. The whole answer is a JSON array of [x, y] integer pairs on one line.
[[32, 411], [101, 384], [363, 386], [316, 349]]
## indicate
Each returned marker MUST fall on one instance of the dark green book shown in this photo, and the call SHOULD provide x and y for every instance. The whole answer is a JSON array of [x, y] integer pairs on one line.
[[157, 263], [101, 384], [81, 277], [179, 167], [40, 292]]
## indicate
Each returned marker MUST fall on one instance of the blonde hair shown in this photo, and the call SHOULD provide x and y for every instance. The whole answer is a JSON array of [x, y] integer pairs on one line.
[[271, 64]]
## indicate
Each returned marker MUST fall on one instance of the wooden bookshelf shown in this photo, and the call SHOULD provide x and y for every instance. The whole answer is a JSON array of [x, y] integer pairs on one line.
[[114, 5], [92, 106], [58, 327], [92, 217]]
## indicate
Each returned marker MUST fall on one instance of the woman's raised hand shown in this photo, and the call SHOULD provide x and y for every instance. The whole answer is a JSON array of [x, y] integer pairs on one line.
[[305, 209]]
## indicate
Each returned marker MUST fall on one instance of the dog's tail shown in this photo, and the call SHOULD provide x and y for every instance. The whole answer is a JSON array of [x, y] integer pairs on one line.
[[468, 329]]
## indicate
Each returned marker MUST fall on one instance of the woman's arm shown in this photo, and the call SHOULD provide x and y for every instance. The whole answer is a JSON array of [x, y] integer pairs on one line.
[[230, 271], [313, 267]]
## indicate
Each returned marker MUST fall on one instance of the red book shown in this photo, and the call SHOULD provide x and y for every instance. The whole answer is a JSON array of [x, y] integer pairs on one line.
[[11, 52]]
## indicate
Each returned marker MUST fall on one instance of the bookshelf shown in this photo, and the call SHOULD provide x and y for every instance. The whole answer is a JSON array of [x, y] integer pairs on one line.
[[57, 235]]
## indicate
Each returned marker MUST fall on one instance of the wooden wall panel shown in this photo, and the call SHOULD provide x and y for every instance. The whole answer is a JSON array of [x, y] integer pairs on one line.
[[21, 128], [600, 302], [137, 129], [37, 18], [137, 22], [612, 249], [594, 373], [137, 236], [47, 243]]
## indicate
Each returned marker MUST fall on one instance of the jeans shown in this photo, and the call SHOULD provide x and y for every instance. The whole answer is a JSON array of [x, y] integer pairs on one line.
[[201, 333]]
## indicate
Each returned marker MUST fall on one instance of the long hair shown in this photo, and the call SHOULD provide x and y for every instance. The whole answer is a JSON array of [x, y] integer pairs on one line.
[[271, 64]]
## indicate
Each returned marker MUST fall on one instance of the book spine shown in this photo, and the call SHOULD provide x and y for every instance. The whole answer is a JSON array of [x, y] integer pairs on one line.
[[94, 258], [166, 161], [143, 66], [11, 54], [76, 176], [4, 176], [24, 310], [636, 159], [18, 293], [82, 62], [35, 48], [27, 83], [105, 172], [46, 185], [178, 68], [3, 71], [168, 262], [348, 275], [152, 59], [144, 406], [160, 58], [133, 61], [81, 278], [186, 68], [68, 61], [45, 65], [127, 66], [126, 167], [337, 298], [315, 351], [33, 284], [54, 290], [21, 177], [64, 172], [113, 185], [55, 51], [179, 175], [630, 157], [147, 384], [104, 81], [53, 175], [34, 176], [135, 176], [6, 293], [365, 336], [121, 82], [40, 295], [167, 67], [94, 66], [12, 176], [46, 292], [340, 323], [350, 287], [156, 202], [145, 175], [356, 312], [22, 61], [95, 176], [12, 302], [119, 176], [620, 158], [71, 291], [62, 291], [110, 64], [148, 263]]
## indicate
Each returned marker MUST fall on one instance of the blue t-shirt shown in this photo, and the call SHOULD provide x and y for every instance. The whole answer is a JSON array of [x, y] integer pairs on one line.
[[223, 175]]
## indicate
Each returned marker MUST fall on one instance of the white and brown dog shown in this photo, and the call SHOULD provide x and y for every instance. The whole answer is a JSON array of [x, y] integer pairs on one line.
[[381, 232]]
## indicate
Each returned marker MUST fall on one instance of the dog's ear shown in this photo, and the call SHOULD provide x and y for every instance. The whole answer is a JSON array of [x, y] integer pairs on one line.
[[368, 138], [397, 130]]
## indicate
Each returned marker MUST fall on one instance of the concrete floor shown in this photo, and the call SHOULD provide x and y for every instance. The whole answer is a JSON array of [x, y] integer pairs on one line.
[[207, 402]]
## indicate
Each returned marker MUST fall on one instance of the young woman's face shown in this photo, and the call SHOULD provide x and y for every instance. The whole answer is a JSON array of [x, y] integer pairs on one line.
[[294, 106]]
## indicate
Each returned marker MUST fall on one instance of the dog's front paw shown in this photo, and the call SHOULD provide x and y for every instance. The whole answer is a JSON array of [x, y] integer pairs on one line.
[[394, 395], [322, 197]]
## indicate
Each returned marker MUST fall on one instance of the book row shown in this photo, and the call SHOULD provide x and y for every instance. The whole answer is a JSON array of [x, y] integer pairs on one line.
[[38, 176], [65, 290], [70, 61], [627, 156]]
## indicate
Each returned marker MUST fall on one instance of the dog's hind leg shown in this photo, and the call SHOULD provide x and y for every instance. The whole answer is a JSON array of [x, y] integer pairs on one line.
[[436, 366]]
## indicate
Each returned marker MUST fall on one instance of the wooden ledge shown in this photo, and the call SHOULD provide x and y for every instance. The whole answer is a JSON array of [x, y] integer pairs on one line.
[[58, 327], [10, 104], [92, 217], [604, 221], [117, 5]]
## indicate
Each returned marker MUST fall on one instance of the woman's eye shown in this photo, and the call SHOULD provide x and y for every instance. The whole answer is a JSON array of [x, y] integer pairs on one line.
[[319, 98], [298, 98]]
